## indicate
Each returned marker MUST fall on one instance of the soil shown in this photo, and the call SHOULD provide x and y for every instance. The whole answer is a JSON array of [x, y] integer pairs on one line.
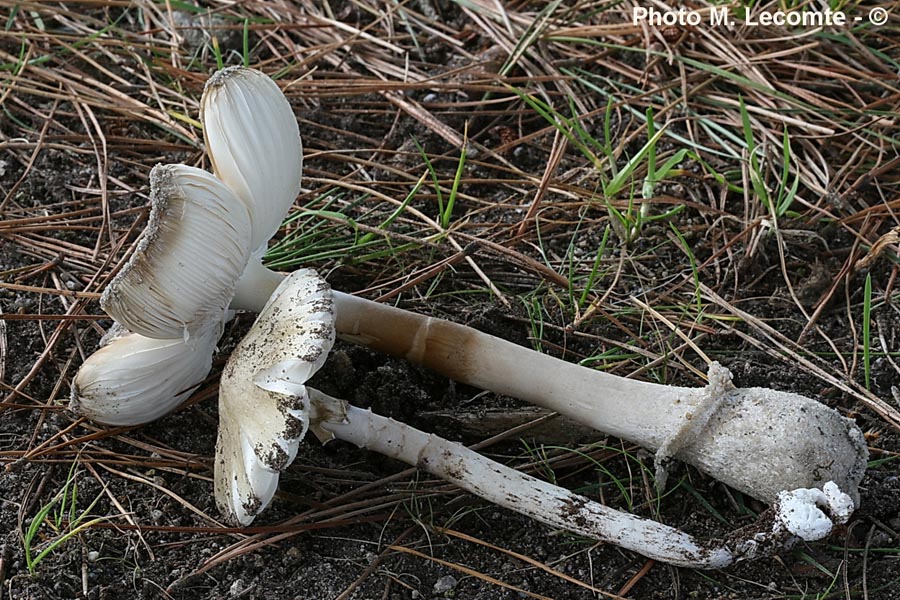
[[150, 487]]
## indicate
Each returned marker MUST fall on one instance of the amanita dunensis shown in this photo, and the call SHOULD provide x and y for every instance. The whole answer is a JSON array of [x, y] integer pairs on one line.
[[759, 441]]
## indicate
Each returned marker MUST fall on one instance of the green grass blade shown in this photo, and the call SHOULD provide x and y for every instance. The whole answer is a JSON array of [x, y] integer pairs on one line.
[[32, 530], [589, 285], [398, 211], [434, 177], [616, 184], [217, 51], [867, 333], [61, 540], [651, 179], [245, 40], [454, 190], [756, 178], [694, 271]]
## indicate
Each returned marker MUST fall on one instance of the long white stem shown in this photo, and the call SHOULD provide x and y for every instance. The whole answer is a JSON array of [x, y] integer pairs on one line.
[[756, 440], [551, 504]]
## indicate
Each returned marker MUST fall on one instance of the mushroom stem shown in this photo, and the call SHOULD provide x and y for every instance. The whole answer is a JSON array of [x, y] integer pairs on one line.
[[558, 507], [255, 286], [757, 440], [265, 410]]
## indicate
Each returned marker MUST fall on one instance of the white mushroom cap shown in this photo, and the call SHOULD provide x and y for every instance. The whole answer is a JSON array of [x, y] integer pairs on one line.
[[135, 379], [263, 402], [253, 140], [195, 247]]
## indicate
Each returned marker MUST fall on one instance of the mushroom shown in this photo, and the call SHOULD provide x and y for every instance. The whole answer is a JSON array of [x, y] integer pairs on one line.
[[199, 240], [757, 440], [134, 379], [260, 159], [266, 408], [263, 404], [183, 272], [169, 301]]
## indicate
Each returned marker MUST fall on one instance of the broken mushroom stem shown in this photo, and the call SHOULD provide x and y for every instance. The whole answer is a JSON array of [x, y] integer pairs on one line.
[[799, 515], [266, 409], [757, 440]]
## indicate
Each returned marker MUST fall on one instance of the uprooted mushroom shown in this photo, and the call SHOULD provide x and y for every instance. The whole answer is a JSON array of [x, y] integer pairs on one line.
[[172, 296], [266, 408], [757, 440], [184, 249]]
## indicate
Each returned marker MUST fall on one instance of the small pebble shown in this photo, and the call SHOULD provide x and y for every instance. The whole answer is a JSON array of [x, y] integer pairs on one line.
[[445, 584], [880, 538]]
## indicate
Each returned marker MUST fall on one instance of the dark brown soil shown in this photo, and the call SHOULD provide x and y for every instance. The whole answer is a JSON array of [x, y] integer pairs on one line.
[[151, 486]]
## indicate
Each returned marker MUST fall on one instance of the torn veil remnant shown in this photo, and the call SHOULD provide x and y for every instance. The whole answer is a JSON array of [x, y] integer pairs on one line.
[[265, 409]]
